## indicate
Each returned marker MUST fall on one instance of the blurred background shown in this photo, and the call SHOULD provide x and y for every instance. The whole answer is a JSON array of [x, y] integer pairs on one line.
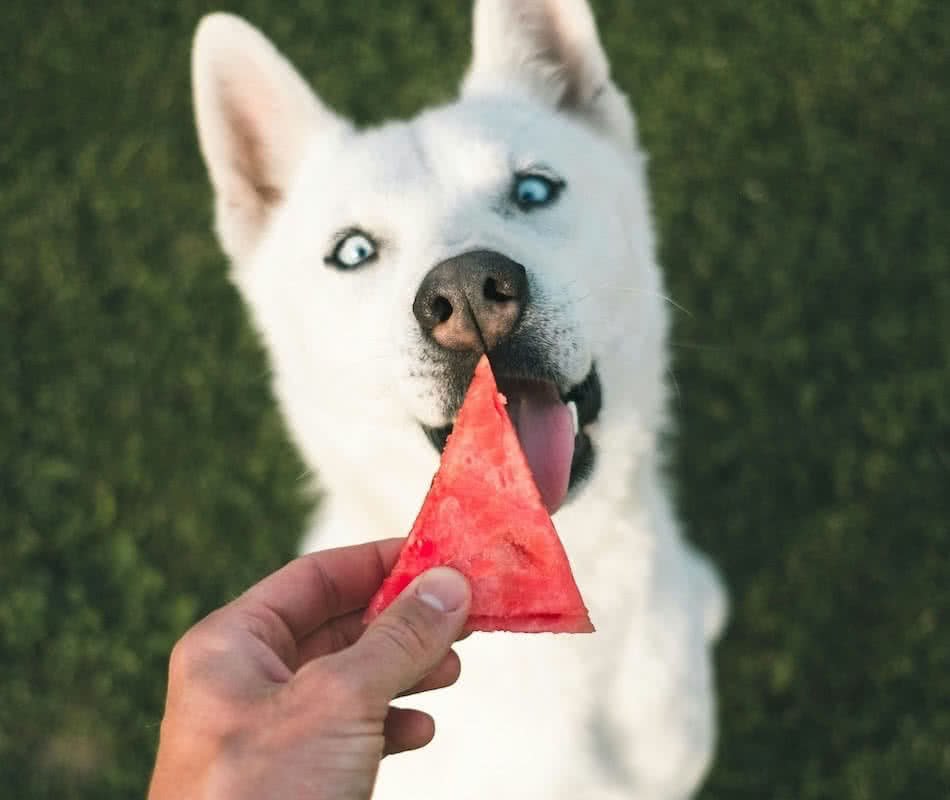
[[802, 191]]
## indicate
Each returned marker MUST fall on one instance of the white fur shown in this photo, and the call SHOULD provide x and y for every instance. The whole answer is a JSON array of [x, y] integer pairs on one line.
[[629, 711]]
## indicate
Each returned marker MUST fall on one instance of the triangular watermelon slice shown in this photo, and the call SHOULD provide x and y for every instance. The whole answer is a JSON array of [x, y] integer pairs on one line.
[[484, 516]]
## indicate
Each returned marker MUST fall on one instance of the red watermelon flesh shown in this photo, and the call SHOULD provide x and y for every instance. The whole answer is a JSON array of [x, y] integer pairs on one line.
[[484, 516]]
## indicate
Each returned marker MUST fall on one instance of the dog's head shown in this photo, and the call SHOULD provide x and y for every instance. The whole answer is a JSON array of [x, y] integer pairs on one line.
[[380, 264]]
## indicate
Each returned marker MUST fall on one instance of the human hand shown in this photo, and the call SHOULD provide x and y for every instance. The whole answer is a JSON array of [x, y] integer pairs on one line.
[[283, 694]]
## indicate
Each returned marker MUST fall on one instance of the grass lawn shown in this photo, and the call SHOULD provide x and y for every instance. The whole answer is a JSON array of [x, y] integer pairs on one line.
[[802, 190]]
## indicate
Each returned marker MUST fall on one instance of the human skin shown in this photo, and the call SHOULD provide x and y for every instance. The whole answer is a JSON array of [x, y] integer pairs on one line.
[[284, 693]]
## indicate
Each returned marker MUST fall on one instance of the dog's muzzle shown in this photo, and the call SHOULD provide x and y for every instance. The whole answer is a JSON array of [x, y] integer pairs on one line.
[[475, 303]]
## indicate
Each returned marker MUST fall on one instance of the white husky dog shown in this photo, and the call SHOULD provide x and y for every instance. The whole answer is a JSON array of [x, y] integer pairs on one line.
[[377, 265]]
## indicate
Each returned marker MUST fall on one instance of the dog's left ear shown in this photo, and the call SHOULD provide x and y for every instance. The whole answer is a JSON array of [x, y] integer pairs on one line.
[[550, 49]]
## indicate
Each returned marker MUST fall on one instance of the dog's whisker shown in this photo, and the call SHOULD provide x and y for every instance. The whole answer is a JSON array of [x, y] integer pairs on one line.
[[584, 297], [676, 385], [591, 290], [649, 292]]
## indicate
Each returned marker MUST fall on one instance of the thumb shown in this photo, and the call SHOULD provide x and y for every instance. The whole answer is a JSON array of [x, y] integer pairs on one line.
[[411, 637]]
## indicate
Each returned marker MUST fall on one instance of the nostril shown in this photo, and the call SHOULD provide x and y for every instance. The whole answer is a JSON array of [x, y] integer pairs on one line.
[[441, 309], [498, 291], [471, 301]]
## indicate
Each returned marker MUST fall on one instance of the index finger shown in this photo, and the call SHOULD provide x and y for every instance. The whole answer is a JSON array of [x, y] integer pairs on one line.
[[320, 586]]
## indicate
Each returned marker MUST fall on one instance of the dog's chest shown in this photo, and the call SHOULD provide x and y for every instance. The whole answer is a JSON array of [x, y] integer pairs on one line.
[[522, 703]]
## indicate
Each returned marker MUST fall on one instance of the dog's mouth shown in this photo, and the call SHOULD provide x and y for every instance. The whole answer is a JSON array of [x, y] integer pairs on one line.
[[553, 429]]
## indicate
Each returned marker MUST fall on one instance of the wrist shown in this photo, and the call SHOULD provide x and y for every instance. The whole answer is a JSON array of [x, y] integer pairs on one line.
[[183, 767]]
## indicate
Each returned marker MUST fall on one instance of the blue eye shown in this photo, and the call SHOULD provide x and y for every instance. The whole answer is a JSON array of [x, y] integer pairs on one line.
[[534, 191], [353, 251]]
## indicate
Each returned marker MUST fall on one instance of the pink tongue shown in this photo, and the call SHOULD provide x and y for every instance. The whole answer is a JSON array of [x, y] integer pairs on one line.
[[546, 432]]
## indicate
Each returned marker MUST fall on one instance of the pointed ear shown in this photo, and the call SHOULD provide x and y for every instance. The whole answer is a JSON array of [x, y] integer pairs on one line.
[[255, 118], [550, 49]]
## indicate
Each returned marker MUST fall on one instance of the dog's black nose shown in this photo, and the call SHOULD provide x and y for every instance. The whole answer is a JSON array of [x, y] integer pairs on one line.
[[473, 301]]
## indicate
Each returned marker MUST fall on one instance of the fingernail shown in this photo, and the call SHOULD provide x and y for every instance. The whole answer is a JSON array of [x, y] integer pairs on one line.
[[442, 588]]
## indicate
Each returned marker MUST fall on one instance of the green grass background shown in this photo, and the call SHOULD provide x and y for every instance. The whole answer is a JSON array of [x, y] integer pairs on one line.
[[802, 186]]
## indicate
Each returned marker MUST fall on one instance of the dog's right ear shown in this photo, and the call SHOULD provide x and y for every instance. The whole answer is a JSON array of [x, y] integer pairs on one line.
[[255, 116], [549, 49]]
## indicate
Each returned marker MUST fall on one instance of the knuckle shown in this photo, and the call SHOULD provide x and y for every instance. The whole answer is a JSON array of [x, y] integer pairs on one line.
[[185, 654], [195, 650]]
